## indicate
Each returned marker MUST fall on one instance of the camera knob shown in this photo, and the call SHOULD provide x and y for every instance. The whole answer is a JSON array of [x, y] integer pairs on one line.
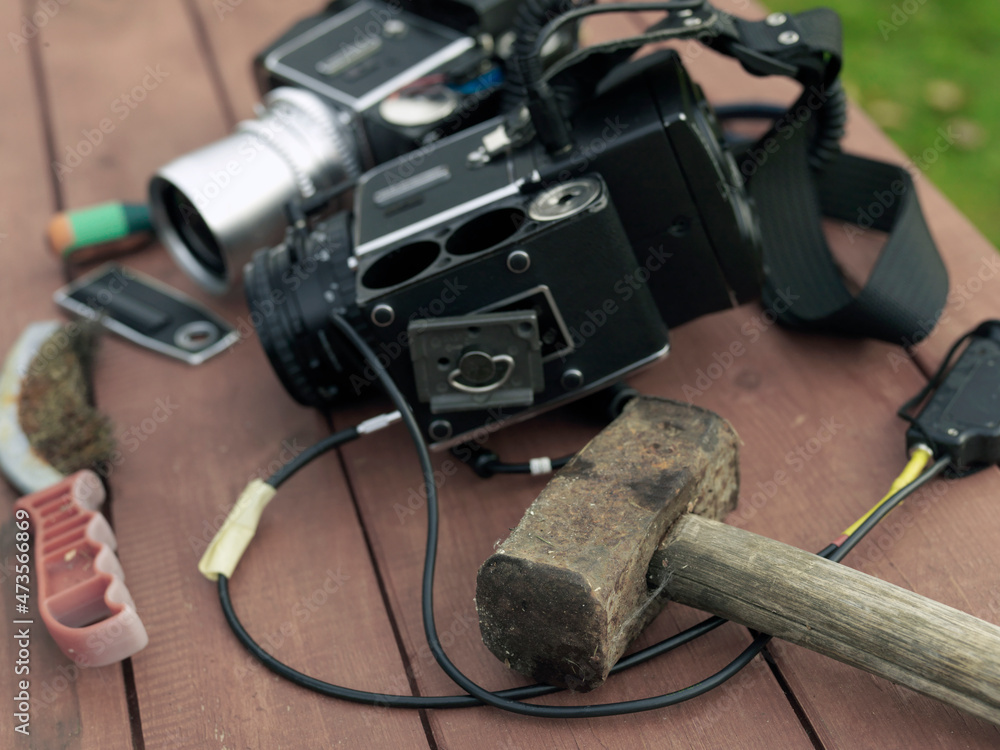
[[477, 367]]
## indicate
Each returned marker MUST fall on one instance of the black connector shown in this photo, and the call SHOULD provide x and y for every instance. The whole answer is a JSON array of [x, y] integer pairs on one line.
[[961, 416], [481, 460], [607, 404]]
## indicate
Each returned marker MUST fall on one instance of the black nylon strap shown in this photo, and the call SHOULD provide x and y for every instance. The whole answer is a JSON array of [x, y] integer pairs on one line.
[[802, 285], [907, 288], [797, 175]]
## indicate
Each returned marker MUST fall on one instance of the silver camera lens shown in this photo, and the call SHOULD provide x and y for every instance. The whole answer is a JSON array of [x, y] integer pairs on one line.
[[214, 207]]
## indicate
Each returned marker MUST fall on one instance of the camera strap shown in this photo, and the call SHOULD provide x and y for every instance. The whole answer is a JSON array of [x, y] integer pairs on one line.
[[803, 286], [907, 288], [797, 175]]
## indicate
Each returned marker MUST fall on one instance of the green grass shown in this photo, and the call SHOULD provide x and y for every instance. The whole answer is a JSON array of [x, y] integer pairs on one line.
[[934, 70]]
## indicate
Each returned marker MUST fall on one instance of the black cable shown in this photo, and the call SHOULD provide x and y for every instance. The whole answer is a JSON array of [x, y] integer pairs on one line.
[[545, 105], [831, 120], [478, 695], [499, 467], [326, 444], [507, 699], [885, 508], [427, 588], [904, 411], [487, 464], [533, 61], [608, 402], [444, 701], [529, 19], [750, 111], [588, 10]]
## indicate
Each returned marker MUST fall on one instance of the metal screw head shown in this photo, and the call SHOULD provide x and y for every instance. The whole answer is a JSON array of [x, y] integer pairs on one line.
[[692, 22], [383, 315], [571, 379], [439, 429], [776, 19], [477, 367], [518, 261], [394, 27], [788, 37], [953, 432]]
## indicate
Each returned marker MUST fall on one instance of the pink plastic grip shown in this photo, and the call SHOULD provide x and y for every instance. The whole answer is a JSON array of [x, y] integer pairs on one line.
[[81, 590]]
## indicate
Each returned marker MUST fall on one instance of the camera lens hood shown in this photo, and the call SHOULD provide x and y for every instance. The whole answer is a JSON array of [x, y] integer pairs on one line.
[[212, 208]]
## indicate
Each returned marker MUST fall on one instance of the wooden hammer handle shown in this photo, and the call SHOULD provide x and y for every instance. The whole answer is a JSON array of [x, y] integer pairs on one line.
[[835, 610]]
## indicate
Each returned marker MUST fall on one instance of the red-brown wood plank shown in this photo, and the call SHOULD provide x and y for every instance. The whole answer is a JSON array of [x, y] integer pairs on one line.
[[821, 443], [228, 36], [475, 514], [237, 31], [69, 707], [779, 394], [941, 544], [776, 395], [309, 575]]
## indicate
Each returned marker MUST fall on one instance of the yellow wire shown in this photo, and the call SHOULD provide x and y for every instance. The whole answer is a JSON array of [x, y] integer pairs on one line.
[[918, 462]]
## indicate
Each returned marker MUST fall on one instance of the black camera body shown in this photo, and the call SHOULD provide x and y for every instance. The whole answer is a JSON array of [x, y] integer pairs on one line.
[[495, 281], [358, 55], [358, 84]]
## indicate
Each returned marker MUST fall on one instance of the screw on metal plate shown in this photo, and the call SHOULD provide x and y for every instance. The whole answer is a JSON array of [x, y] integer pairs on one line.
[[383, 315], [480, 368], [472, 362], [571, 379], [439, 429], [518, 261]]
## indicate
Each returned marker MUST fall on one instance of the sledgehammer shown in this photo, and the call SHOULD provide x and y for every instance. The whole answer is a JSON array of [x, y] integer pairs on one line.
[[630, 523]]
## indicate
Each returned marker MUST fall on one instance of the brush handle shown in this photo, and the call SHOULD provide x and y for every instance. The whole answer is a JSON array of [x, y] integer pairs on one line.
[[773, 588], [82, 597]]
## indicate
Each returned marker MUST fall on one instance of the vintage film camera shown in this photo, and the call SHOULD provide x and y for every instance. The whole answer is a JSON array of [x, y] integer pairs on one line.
[[496, 279], [360, 83], [542, 255]]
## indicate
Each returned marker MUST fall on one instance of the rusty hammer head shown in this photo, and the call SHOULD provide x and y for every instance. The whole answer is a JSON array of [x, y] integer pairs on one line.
[[566, 593]]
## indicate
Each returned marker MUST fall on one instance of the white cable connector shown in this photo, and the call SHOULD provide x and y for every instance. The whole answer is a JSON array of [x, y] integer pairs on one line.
[[377, 423], [540, 466]]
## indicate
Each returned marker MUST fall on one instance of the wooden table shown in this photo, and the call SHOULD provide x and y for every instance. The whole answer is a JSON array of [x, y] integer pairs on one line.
[[344, 526]]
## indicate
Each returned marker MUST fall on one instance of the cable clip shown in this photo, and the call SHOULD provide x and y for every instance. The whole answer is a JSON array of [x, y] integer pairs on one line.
[[540, 466], [231, 541]]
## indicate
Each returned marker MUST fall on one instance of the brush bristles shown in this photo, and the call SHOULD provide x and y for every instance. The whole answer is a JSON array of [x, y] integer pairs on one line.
[[56, 410]]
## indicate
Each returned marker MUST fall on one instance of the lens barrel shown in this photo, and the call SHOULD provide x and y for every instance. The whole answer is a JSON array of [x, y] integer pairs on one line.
[[214, 207], [292, 290]]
